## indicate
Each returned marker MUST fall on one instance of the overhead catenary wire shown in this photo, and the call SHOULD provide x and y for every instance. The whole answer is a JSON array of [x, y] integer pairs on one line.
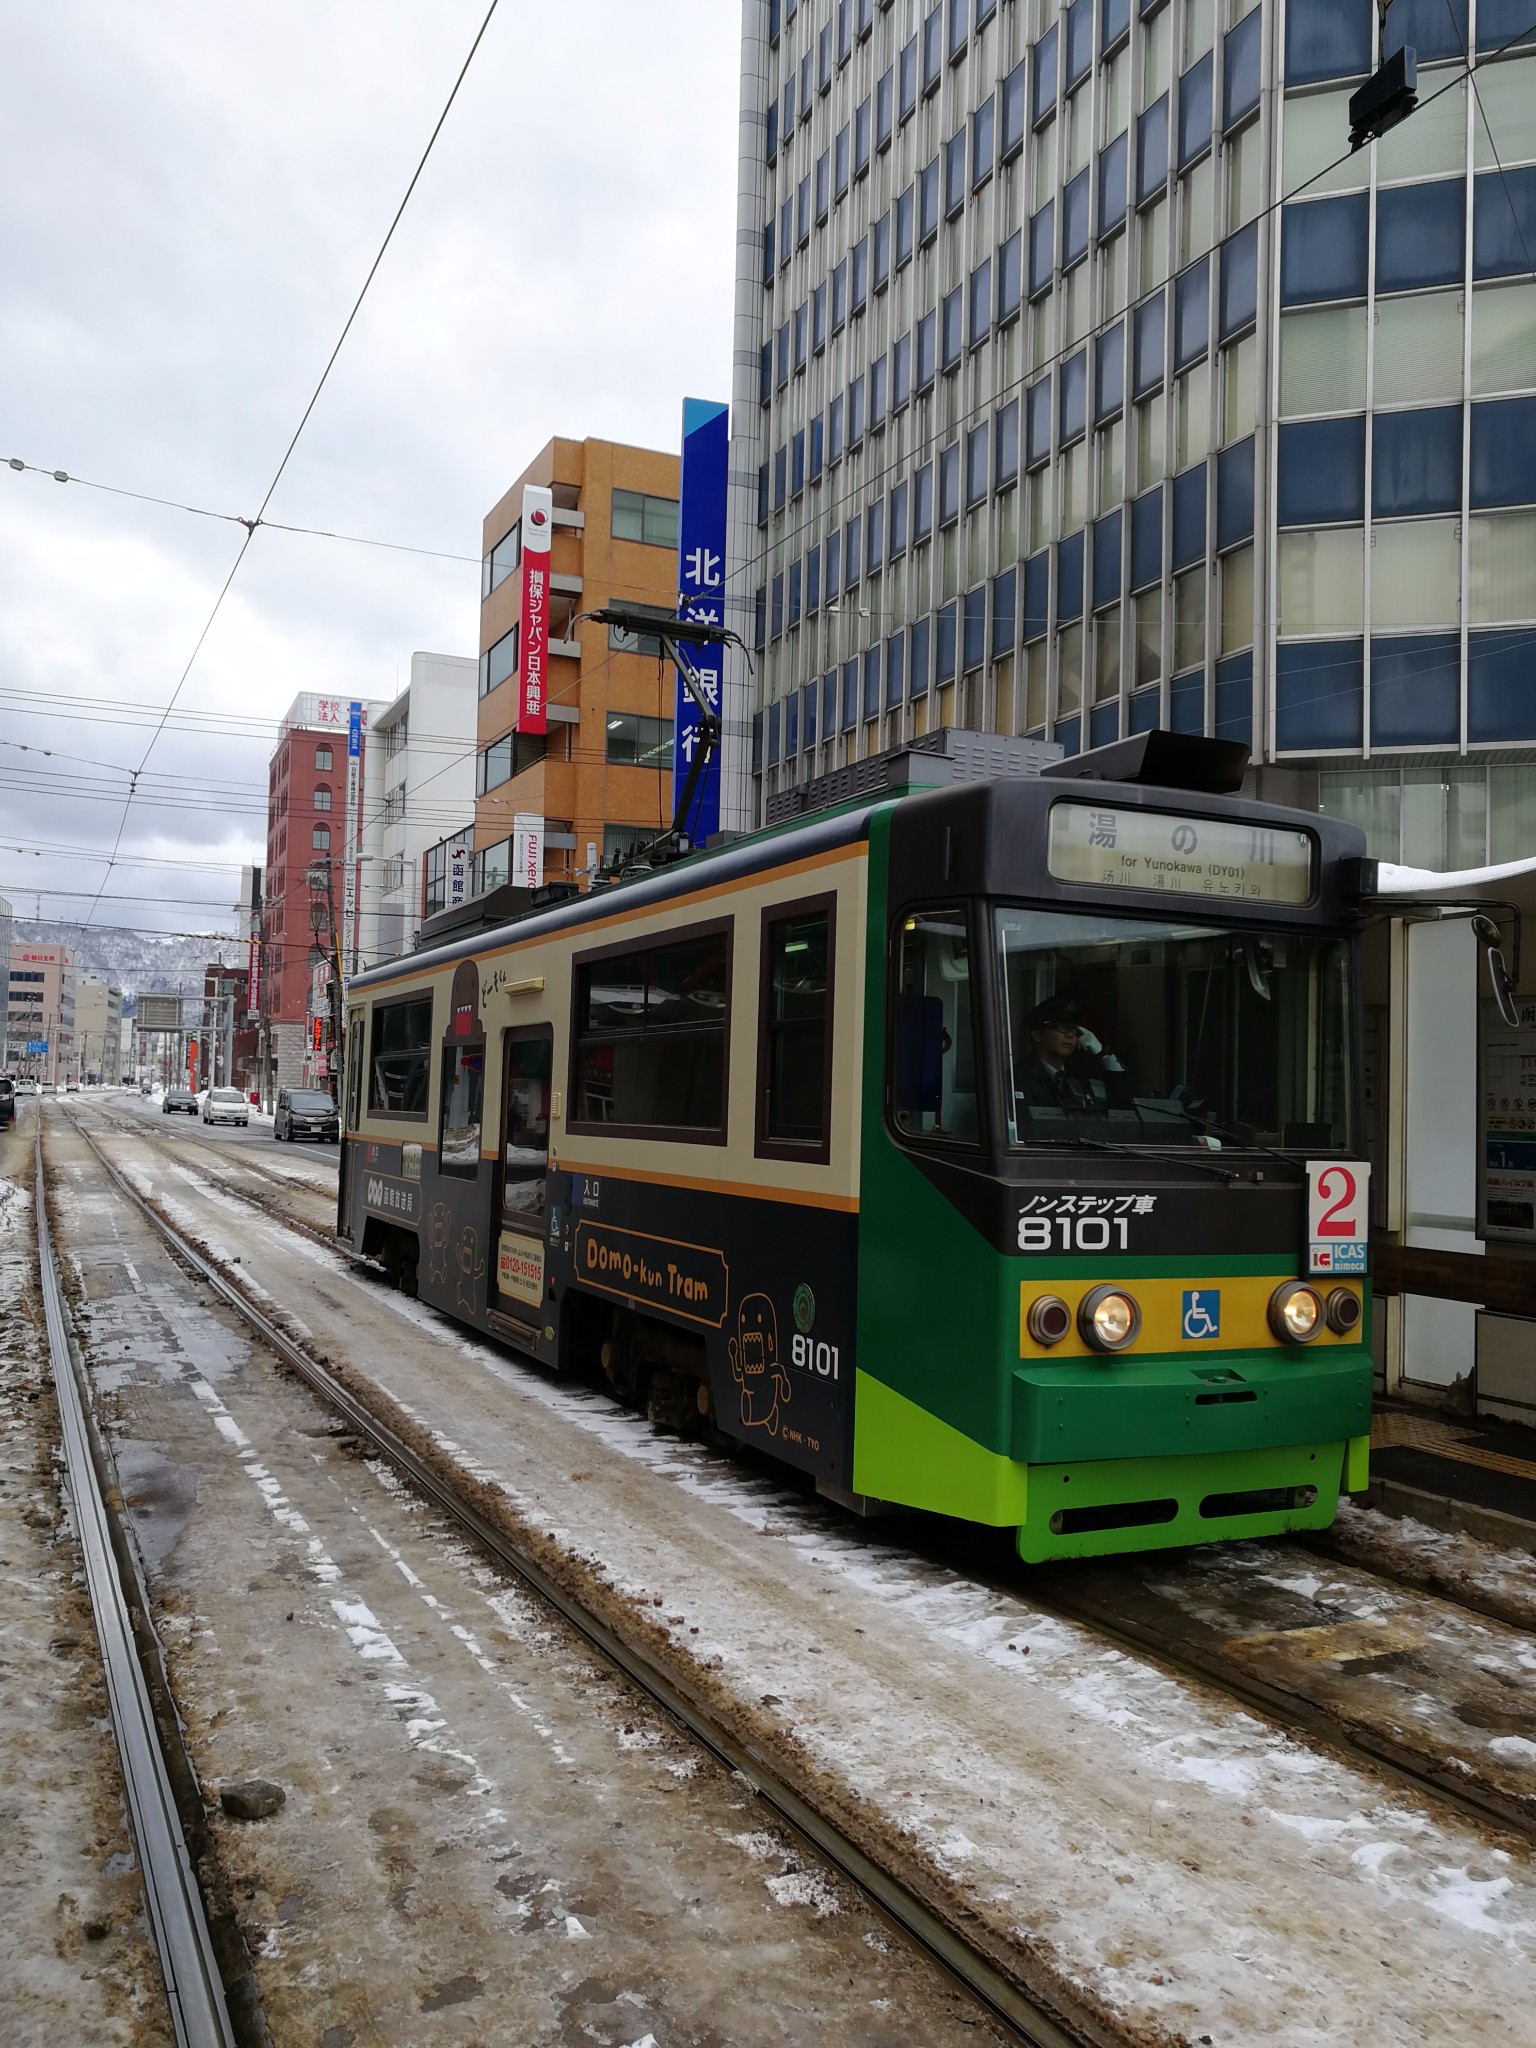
[[450, 817], [361, 540], [251, 525], [835, 504]]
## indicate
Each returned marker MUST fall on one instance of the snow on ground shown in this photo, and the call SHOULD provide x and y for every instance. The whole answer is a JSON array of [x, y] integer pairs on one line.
[[78, 1962], [1180, 1860], [1082, 1761], [1461, 1566]]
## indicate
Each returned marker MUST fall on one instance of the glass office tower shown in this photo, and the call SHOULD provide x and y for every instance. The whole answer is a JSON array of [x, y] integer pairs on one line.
[[1098, 385]]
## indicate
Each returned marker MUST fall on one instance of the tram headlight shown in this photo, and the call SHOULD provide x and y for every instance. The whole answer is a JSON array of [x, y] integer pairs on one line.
[[1295, 1312], [1108, 1318], [1048, 1319], [1343, 1312]]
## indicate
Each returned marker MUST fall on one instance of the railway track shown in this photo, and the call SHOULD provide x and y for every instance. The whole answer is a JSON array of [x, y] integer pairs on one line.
[[1080, 1596], [209, 1162], [945, 1943], [194, 1986]]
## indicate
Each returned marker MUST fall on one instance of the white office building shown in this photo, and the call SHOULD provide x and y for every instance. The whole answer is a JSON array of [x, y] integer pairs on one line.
[[1095, 384], [98, 1028], [421, 787]]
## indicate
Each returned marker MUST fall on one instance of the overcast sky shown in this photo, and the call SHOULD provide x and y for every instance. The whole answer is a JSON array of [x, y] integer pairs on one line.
[[190, 196]]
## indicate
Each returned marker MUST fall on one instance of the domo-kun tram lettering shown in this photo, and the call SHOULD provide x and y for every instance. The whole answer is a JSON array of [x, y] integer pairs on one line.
[[990, 1147]]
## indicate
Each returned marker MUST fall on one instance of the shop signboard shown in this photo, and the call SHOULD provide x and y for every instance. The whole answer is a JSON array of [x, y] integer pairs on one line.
[[701, 595], [533, 623], [1506, 1191]]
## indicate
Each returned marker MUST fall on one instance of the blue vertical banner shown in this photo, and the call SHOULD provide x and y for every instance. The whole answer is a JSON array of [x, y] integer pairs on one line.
[[701, 595]]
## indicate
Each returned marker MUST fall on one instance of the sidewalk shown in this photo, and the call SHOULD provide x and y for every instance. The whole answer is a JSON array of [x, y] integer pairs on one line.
[[1474, 1474]]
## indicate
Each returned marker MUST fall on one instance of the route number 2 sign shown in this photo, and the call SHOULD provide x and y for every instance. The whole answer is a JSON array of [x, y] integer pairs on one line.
[[1338, 1216]]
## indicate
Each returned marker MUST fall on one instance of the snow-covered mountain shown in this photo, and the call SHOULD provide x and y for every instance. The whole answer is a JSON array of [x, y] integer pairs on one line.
[[135, 960]]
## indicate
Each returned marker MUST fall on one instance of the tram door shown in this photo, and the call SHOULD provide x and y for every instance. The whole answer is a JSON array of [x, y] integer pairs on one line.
[[351, 1117], [522, 1170]]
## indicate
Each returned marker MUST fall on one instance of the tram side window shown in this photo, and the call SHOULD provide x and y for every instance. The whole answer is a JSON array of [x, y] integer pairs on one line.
[[934, 1081], [525, 1147], [355, 1072], [401, 1060], [794, 1051], [458, 1141], [650, 1038]]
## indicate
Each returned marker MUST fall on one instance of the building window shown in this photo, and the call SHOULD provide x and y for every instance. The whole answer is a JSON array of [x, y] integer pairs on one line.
[[323, 759], [1322, 360], [507, 757], [1501, 567], [1189, 620], [1237, 600], [322, 796], [650, 1038], [498, 662], [639, 742], [458, 1138], [638, 516], [320, 839], [401, 1058], [502, 560], [1320, 579]]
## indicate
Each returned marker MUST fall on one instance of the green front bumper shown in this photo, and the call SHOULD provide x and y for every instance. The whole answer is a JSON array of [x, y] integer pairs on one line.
[[1152, 1504], [1119, 1408]]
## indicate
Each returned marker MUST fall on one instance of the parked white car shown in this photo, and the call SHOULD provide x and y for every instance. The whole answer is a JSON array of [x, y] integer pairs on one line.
[[225, 1106]]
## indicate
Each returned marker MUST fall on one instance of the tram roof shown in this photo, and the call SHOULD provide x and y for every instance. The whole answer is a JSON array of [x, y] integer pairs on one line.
[[823, 831], [771, 847]]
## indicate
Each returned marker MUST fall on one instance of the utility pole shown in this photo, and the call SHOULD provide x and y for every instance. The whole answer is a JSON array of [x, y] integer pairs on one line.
[[327, 936], [263, 1032], [336, 989]]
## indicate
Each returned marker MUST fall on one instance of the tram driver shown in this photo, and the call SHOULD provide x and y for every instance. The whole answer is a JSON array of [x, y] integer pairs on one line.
[[1066, 1067]]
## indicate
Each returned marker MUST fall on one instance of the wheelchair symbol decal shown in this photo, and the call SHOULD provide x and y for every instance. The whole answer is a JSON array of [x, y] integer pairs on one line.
[[1202, 1312]]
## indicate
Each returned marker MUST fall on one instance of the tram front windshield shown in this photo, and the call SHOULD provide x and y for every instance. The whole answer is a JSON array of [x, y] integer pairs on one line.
[[1124, 1032]]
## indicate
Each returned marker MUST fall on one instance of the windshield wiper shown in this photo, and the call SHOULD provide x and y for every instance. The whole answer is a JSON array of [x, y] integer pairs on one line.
[[1126, 1152], [1074, 1144], [1209, 1124]]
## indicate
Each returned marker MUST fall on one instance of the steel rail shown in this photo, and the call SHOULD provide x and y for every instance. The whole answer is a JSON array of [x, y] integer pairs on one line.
[[1352, 1741], [193, 1987], [135, 1127], [1004, 1998]]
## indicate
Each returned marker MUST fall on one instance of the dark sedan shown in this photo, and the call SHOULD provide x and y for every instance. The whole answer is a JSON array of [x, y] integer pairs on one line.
[[179, 1099], [306, 1113]]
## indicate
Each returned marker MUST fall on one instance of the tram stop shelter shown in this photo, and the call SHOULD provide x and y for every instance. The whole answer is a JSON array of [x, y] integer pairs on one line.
[[1450, 1108]]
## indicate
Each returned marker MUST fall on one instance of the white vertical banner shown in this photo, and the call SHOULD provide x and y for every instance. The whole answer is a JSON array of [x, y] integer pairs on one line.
[[528, 850], [458, 876]]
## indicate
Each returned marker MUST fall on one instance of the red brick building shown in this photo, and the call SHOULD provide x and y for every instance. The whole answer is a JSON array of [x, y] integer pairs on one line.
[[306, 827]]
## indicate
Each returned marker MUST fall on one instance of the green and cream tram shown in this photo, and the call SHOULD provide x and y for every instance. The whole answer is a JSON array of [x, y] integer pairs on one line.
[[992, 1149]]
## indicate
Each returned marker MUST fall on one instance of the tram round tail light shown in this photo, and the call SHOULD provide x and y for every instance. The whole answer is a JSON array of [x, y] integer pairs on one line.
[[1108, 1318], [1343, 1312], [1295, 1312], [1049, 1319]]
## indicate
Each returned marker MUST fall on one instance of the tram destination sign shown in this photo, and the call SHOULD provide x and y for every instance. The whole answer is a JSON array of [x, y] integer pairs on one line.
[[1208, 857]]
